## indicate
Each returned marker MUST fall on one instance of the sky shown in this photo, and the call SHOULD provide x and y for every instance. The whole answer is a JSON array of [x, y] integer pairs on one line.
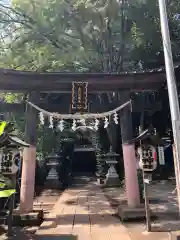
[[5, 1]]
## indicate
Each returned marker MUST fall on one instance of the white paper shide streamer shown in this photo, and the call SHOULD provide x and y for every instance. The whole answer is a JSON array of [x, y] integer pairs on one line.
[[83, 122], [74, 125], [96, 124], [116, 118], [61, 125], [106, 122], [51, 122], [41, 118]]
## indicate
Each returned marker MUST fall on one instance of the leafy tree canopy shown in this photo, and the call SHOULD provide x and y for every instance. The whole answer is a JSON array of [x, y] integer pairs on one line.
[[83, 35], [79, 35]]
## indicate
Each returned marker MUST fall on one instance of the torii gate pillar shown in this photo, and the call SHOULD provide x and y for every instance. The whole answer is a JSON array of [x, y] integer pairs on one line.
[[131, 179], [29, 158]]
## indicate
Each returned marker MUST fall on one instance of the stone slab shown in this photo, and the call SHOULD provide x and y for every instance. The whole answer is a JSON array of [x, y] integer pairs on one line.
[[174, 236], [33, 218], [128, 213], [152, 235], [82, 213]]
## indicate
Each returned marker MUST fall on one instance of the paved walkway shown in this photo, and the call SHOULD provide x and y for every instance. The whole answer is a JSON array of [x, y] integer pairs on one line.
[[163, 203], [82, 213]]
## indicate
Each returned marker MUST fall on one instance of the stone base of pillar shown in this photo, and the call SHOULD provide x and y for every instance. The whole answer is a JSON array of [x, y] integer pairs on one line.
[[28, 180], [33, 218], [133, 213]]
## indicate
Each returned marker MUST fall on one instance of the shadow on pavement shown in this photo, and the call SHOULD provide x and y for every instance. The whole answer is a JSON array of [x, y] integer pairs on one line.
[[57, 237]]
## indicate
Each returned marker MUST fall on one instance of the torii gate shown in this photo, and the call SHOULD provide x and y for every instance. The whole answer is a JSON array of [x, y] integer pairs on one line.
[[35, 83]]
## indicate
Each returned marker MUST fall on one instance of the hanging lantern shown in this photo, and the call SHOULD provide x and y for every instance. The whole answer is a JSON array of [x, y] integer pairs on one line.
[[74, 125], [41, 118], [106, 122], [61, 125], [51, 125], [116, 118]]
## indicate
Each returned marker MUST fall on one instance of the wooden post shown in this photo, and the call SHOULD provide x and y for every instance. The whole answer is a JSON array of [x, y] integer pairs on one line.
[[11, 207], [29, 158], [131, 179], [146, 198]]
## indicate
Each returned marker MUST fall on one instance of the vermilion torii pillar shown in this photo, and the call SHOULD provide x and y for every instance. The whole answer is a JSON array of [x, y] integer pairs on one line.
[[131, 179], [29, 158]]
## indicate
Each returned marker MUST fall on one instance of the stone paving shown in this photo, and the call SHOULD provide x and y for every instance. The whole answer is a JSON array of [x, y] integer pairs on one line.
[[163, 202], [89, 213], [82, 213]]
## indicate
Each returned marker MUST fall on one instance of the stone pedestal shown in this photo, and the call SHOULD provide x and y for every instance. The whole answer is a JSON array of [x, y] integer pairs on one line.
[[112, 178], [53, 175], [53, 178]]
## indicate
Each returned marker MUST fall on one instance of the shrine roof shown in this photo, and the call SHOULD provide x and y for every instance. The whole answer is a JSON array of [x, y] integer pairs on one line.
[[13, 141], [87, 74], [14, 80], [17, 141]]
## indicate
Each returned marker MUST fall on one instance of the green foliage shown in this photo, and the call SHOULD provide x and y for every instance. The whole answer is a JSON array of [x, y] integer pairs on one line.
[[2, 127], [7, 181], [7, 188], [105, 35], [102, 147], [41, 174], [64, 169], [12, 97]]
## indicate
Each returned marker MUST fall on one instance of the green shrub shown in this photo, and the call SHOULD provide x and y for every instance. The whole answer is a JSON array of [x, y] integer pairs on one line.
[[41, 173], [101, 166]]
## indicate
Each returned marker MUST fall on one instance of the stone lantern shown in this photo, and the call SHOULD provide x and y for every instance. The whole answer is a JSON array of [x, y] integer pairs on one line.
[[53, 162], [112, 177]]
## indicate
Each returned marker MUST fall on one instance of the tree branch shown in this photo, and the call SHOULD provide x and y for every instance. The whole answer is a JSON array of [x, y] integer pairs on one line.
[[29, 23]]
